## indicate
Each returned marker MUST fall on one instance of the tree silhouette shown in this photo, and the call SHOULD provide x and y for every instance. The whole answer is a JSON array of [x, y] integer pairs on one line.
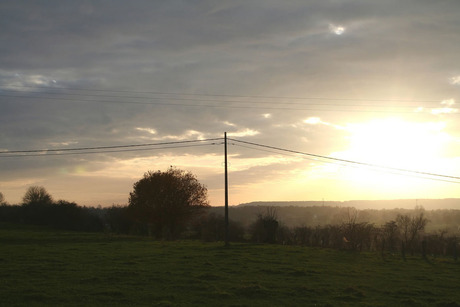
[[265, 228], [390, 234], [166, 201], [37, 205], [410, 228], [2, 199], [37, 195], [211, 227]]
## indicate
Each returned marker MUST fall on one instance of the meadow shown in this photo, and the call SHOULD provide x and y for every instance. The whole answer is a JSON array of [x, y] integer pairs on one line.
[[43, 267]]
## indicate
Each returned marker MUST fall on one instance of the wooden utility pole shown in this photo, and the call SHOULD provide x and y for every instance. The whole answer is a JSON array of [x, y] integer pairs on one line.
[[226, 191]]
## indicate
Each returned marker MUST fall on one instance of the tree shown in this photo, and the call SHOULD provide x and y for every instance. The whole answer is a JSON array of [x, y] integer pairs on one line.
[[37, 206], [390, 234], [417, 225], [410, 228], [2, 199], [211, 227], [117, 219], [265, 228], [37, 195], [166, 201]]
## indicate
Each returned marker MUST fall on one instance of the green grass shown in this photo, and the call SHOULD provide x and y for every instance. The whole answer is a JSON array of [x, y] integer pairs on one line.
[[40, 267]]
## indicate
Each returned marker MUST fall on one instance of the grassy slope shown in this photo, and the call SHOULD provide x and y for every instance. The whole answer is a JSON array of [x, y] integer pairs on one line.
[[42, 267]]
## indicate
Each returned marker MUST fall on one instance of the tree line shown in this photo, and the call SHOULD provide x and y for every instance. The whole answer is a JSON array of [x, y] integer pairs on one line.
[[162, 205], [404, 235], [39, 208], [173, 205]]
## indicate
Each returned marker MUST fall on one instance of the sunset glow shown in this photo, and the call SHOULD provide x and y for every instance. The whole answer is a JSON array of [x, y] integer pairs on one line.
[[319, 100], [397, 143]]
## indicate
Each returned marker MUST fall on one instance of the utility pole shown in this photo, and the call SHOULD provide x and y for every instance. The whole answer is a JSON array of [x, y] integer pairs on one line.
[[226, 191]]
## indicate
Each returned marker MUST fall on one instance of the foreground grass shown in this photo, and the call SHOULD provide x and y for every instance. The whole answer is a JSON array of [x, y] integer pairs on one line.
[[43, 267]]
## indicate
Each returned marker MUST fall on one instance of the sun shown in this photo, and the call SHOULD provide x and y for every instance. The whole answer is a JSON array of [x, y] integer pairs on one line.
[[394, 144]]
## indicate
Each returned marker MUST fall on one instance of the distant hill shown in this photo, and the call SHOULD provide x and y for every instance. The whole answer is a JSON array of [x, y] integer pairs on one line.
[[428, 204]]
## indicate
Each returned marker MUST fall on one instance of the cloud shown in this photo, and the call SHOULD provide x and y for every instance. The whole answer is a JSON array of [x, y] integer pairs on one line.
[[448, 109], [24, 82], [87, 74], [455, 80], [312, 120], [448, 102], [187, 135], [336, 29], [317, 120], [244, 133], [148, 130], [443, 111], [229, 124], [64, 143]]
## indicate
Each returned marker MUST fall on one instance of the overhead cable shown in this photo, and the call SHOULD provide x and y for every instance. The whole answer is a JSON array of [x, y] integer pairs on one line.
[[219, 101], [348, 161], [103, 151], [105, 147], [226, 95], [345, 164]]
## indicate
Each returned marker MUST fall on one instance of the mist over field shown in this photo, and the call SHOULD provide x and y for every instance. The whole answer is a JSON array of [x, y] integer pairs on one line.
[[312, 214], [429, 204]]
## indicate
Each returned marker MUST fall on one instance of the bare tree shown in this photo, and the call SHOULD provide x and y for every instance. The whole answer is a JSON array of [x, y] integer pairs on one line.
[[266, 226], [390, 234], [37, 195], [2, 199], [356, 235], [410, 229], [302, 235], [37, 206]]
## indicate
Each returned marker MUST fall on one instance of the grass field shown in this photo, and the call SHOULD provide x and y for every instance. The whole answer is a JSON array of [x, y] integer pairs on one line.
[[40, 267]]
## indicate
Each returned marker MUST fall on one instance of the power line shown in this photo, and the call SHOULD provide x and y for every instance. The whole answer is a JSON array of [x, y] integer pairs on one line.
[[228, 95], [225, 103], [19, 94], [190, 143], [346, 165], [104, 151], [106, 147], [349, 161], [281, 106]]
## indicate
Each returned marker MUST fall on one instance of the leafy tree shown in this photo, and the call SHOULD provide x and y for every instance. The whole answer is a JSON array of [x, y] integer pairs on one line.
[[117, 219], [65, 215], [9, 213], [37, 195], [166, 201]]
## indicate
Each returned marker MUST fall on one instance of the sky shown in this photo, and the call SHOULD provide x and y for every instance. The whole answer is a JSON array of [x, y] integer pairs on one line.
[[321, 100]]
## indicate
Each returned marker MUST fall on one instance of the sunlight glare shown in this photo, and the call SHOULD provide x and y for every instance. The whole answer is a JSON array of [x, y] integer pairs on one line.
[[336, 29], [397, 143], [394, 143]]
